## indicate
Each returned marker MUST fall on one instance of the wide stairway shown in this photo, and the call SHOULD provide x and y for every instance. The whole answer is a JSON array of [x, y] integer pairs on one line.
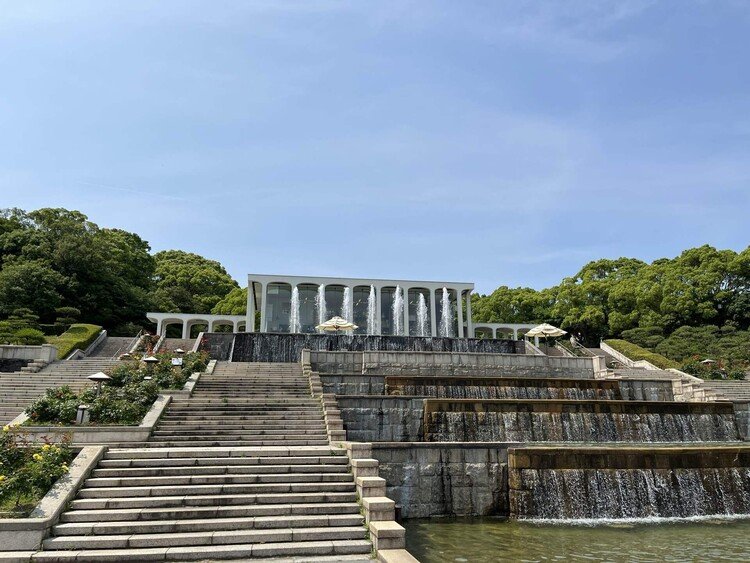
[[19, 389], [112, 347], [243, 469]]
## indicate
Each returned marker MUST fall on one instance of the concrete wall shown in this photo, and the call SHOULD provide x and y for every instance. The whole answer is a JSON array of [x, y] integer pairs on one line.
[[353, 384], [381, 419], [646, 389], [45, 352], [454, 363], [445, 479]]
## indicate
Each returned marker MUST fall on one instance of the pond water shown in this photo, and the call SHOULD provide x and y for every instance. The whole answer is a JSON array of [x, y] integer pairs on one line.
[[475, 540]]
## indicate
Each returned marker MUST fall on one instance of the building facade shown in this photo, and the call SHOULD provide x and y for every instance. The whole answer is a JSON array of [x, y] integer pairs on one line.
[[356, 300]]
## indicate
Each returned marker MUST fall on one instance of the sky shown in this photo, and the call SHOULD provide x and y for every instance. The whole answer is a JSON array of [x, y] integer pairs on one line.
[[499, 142]]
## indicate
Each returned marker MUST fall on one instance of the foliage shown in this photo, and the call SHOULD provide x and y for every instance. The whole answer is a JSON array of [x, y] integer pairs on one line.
[[52, 258], [233, 303], [635, 353], [29, 336], [707, 341], [713, 370], [77, 336], [643, 303], [28, 469], [123, 400], [189, 283]]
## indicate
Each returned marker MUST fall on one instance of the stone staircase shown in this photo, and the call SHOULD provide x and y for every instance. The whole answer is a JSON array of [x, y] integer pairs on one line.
[[242, 469], [112, 347], [19, 389], [171, 344]]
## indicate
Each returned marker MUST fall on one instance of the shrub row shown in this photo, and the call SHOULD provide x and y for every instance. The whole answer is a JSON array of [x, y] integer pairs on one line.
[[77, 336], [635, 353], [125, 399]]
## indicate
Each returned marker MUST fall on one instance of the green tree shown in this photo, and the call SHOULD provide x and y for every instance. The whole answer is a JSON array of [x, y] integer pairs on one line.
[[33, 285], [233, 303], [189, 283]]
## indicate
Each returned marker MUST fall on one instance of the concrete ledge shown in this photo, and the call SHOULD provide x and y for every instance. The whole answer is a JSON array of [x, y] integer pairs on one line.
[[387, 535], [396, 556], [45, 352], [20, 534]]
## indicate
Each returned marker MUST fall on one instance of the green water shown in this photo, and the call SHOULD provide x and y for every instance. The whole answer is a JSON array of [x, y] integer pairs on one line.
[[483, 540]]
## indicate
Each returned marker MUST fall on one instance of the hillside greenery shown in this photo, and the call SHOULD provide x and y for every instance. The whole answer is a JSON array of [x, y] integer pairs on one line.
[[58, 268]]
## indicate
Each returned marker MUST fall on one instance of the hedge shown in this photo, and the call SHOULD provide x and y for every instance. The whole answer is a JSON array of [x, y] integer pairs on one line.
[[77, 336], [635, 353]]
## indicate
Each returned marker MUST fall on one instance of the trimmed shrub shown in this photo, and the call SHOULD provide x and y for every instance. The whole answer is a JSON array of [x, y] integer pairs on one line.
[[29, 337], [77, 336], [635, 353]]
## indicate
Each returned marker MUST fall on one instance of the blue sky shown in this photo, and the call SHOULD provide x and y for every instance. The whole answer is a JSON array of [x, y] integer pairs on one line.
[[496, 142]]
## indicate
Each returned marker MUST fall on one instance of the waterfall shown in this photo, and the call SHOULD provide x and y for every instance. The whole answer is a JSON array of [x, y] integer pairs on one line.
[[320, 304], [294, 324], [446, 315], [422, 316], [347, 311], [398, 312], [372, 312]]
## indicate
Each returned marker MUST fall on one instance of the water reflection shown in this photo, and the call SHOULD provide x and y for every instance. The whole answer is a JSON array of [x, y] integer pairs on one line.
[[490, 540]]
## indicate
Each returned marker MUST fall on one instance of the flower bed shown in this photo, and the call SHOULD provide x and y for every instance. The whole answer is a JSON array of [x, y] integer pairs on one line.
[[124, 400], [28, 470]]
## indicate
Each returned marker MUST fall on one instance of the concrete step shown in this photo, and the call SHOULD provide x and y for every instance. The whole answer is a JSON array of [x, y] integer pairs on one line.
[[202, 512], [203, 452], [211, 443], [221, 479], [213, 501], [194, 462], [217, 489], [287, 549], [166, 525]]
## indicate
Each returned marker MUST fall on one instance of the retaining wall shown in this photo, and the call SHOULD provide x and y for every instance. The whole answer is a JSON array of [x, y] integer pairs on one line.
[[445, 479]]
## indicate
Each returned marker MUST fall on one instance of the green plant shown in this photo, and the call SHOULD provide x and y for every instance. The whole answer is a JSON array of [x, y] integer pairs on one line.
[[29, 336], [77, 336], [29, 469], [635, 353]]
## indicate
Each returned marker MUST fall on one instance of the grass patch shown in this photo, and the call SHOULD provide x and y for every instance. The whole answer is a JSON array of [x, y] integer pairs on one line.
[[77, 336], [635, 353]]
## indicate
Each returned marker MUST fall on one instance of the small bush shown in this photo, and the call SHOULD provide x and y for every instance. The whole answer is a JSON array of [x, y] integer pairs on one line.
[[29, 469], [77, 336], [635, 353], [29, 337]]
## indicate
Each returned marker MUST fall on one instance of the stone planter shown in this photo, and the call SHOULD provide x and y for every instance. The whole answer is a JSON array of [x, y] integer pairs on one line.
[[26, 534]]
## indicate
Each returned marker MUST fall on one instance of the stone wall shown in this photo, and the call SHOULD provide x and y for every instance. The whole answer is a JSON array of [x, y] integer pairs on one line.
[[381, 419], [353, 384], [646, 389], [445, 479], [454, 363], [45, 352]]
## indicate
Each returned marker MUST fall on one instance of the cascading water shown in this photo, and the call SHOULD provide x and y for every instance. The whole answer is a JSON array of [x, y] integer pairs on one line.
[[398, 312], [347, 311], [320, 304], [422, 329], [372, 312], [446, 316], [294, 323]]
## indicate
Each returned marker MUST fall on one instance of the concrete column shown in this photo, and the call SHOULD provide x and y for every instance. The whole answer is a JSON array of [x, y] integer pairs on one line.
[[379, 306], [515, 334], [460, 313], [263, 287], [185, 329], [433, 314], [494, 332], [250, 315], [159, 327], [235, 326], [406, 310], [469, 322]]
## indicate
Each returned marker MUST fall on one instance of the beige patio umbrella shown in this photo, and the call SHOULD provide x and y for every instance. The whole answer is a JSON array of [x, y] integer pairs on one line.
[[545, 330], [336, 324]]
